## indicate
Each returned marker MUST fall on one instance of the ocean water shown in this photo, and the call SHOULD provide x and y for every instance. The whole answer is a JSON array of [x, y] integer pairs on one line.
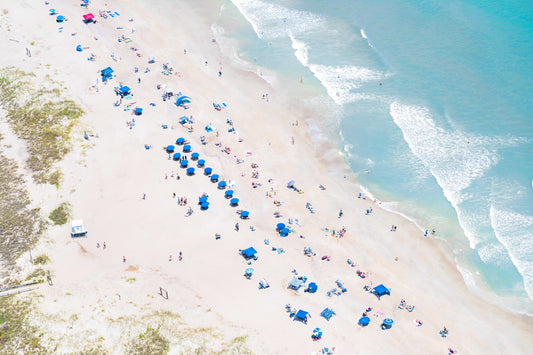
[[431, 103]]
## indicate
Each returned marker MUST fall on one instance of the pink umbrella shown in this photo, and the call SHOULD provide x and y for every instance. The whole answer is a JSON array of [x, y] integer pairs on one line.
[[88, 17]]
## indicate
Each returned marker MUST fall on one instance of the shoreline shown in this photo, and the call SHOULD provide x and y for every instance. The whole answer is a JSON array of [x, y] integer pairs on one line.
[[115, 180]]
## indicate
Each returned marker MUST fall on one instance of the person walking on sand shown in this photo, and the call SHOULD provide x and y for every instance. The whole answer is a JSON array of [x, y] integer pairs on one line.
[[105, 246], [340, 213], [237, 227], [180, 256], [124, 259]]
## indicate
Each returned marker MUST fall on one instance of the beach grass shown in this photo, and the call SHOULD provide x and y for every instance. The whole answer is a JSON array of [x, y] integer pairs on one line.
[[61, 214], [42, 118], [149, 342]]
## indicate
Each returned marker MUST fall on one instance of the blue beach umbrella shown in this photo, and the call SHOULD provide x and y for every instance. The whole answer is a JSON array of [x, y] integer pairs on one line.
[[194, 156], [388, 322], [60, 18], [285, 232], [204, 205], [245, 214], [170, 148], [180, 141], [249, 271], [222, 185], [364, 321], [317, 332], [234, 201], [187, 148], [190, 171], [228, 193], [52, 11], [176, 156], [184, 163], [280, 226], [202, 199], [312, 287], [214, 177], [207, 171], [201, 163], [78, 48]]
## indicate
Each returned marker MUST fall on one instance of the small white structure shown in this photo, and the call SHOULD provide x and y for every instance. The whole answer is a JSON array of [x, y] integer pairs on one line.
[[78, 229]]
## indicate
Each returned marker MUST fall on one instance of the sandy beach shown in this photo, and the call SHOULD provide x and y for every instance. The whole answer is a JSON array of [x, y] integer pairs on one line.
[[128, 197]]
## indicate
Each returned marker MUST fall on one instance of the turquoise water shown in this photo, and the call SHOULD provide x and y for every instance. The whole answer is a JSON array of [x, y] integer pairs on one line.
[[431, 102]]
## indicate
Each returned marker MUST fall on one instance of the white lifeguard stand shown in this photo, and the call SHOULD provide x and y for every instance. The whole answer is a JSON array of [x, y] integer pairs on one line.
[[78, 229]]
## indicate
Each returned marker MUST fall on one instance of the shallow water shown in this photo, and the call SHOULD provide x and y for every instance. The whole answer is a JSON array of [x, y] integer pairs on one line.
[[430, 102]]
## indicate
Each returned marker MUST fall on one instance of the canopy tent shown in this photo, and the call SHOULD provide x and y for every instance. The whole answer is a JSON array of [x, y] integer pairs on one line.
[[364, 321], [195, 156], [381, 290], [185, 119], [186, 148], [387, 323], [78, 229], [249, 253], [245, 214], [170, 148], [312, 287], [204, 205], [190, 171], [327, 313], [107, 72], [201, 163], [207, 171], [88, 17], [234, 201], [180, 141], [176, 156], [296, 283], [124, 91], [184, 163], [182, 100], [284, 232], [214, 177], [301, 315], [222, 185], [228, 193], [280, 226]]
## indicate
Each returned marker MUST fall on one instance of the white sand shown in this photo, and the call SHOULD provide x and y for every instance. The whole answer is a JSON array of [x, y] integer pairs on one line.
[[106, 182]]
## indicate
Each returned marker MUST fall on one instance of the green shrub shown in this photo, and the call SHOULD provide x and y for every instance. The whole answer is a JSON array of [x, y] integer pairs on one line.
[[61, 214]]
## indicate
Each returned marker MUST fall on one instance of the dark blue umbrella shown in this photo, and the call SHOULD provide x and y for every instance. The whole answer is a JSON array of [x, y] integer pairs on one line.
[[280, 226], [201, 162], [207, 171], [170, 148], [364, 321], [245, 214], [190, 171], [228, 193], [187, 148], [214, 177], [312, 287], [234, 201], [204, 205], [202, 199], [285, 232], [184, 163], [180, 140], [221, 184], [194, 156], [176, 156]]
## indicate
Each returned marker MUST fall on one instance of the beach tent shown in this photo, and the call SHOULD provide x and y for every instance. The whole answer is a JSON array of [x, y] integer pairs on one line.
[[228, 193], [78, 48], [263, 284], [234, 201], [312, 287], [190, 171], [381, 290], [195, 156], [201, 163], [387, 323], [364, 321], [176, 156], [245, 214], [78, 229], [182, 100], [284, 232], [207, 171], [180, 141], [170, 148], [222, 185], [249, 253], [107, 72], [88, 17], [295, 283], [301, 315]]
